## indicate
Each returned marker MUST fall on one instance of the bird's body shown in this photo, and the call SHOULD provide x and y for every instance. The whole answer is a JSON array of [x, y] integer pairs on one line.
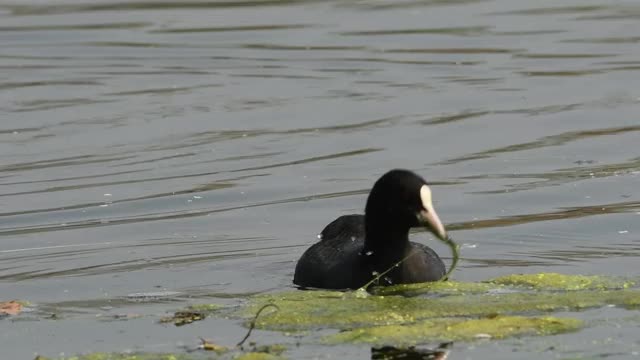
[[355, 249], [340, 261]]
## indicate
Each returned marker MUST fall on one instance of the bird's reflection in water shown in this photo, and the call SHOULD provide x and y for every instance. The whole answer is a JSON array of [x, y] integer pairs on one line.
[[411, 353]]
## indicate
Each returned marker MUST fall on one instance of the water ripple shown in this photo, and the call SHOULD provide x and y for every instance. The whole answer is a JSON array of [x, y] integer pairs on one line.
[[200, 145], [551, 140]]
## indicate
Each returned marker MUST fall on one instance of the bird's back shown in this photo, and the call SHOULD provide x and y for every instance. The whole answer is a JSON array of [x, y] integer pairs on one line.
[[335, 262]]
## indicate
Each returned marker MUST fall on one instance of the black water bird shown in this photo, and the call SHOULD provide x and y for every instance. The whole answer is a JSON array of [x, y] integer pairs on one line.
[[355, 249]]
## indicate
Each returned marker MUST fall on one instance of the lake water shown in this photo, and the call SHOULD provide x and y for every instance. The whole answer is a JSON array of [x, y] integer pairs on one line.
[[199, 146]]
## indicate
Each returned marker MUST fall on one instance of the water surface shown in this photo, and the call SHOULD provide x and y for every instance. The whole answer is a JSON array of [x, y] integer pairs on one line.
[[199, 146]]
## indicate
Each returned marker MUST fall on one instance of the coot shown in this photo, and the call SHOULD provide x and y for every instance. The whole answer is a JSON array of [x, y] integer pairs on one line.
[[355, 249]]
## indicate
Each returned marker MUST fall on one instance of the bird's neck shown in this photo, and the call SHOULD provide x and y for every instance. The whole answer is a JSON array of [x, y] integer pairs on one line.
[[384, 241]]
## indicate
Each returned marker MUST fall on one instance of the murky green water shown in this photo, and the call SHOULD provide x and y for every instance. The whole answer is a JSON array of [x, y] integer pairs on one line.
[[199, 146]]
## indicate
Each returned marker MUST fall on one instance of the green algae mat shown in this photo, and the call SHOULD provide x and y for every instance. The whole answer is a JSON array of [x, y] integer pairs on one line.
[[408, 315]]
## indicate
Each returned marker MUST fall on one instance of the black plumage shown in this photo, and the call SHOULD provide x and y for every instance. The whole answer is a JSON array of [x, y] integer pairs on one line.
[[355, 249]]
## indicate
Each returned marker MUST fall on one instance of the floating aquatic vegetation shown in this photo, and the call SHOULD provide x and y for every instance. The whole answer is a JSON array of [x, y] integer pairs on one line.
[[436, 287], [192, 313], [404, 316], [510, 283], [456, 329], [463, 309], [180, 318], [253, 322], [555, 281], [455, 255]]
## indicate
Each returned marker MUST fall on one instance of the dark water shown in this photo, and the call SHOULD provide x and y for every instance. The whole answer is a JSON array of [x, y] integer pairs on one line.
[[200, 146]]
